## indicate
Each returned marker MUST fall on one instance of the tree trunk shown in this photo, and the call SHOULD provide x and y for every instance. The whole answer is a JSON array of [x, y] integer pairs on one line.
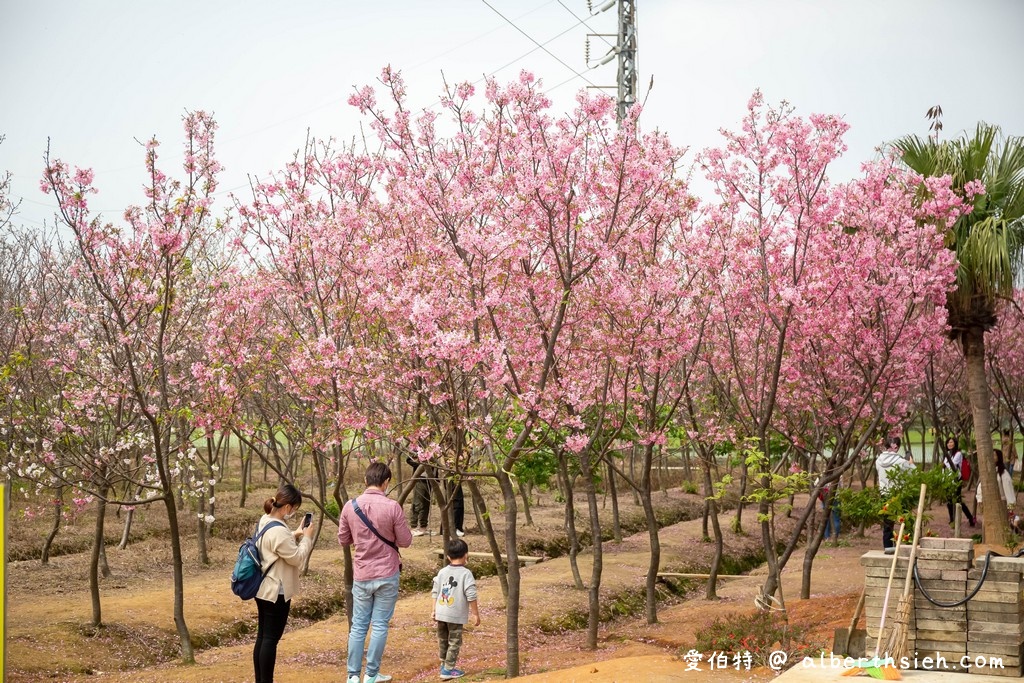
[[812, 548], [477, 514], [663, 472], [737, 523], [995, 526], [58, 514], [204, 554], [484, 520], [711, 592], [684, 456], [94, 560], [654, 561], [594, 592], [187, 654], [570, 522], [632, 474], [525, 495], [512, 604], [444, 511], [103, 564], [346, 553], [613, 492], [224, 455], [126, 533]]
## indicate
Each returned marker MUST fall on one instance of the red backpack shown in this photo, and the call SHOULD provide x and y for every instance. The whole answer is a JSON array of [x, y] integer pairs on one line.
[[965, 469]]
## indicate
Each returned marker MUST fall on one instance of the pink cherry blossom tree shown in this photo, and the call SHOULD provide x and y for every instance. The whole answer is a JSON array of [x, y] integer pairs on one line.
[[143, 315], [518, 217], [1006, 359], [877, 314], [809, 270]]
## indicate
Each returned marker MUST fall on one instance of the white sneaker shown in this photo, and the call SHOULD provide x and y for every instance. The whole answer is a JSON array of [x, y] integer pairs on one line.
[[353, 679], [379, 678], [460, 533], [419, 532]]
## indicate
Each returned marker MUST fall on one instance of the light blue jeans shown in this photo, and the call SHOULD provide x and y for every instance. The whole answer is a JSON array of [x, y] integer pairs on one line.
[[373, 604]]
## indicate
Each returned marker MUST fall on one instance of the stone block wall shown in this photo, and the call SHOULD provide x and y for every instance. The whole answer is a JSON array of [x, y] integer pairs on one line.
[[988, 626]]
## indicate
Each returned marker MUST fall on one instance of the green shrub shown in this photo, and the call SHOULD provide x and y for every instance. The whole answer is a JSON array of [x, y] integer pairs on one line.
[[867, 506]]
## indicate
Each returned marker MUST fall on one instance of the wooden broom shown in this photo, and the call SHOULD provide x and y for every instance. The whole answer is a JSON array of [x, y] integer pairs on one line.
[[888, 589], [875, 667], [896, 646]]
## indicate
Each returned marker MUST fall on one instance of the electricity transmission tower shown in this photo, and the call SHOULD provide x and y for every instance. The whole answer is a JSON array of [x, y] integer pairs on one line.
[[625, 49]]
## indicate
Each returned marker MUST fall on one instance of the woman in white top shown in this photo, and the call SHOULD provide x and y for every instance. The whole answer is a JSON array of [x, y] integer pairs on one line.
[[283, 551], [953, 460], [1006, 491]]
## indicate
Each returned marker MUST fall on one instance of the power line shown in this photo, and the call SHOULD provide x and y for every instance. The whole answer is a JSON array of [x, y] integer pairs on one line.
[[332, 102], [473, 40], [549, 52], [584, 22]]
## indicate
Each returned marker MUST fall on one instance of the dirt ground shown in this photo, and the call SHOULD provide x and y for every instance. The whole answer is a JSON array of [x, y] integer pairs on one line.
[[49, 608]]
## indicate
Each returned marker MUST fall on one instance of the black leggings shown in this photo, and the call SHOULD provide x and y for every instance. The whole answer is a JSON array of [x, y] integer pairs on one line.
[[271, 620], [957, 499]]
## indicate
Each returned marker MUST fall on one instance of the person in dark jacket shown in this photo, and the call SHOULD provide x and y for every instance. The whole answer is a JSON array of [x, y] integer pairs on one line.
[[420, 517]]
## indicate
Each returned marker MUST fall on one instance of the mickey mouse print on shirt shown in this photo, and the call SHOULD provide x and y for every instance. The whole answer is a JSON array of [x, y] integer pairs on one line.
[[447, 595]]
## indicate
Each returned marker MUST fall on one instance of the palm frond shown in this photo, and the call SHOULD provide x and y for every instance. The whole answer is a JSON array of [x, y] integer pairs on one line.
[[988, 241]]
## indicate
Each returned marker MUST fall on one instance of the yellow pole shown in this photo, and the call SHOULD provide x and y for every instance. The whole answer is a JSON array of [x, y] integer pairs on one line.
[[3, 581]]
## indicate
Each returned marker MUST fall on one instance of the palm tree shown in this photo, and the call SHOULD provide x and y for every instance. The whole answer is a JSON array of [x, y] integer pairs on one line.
[[988, 243]]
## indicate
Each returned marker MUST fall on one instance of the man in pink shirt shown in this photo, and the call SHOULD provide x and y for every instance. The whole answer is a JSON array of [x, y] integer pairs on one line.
[[378, 532]]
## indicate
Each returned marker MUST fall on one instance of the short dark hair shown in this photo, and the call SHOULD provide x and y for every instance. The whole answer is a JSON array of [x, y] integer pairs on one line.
[[377, 473], [893, 442], [457, 549]]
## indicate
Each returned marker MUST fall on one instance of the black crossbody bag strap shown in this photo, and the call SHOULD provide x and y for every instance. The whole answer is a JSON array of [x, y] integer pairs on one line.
[[369, 525], [952, 466]]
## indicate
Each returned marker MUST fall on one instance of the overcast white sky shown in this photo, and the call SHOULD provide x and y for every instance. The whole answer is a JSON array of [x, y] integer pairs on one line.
[[93, 76]]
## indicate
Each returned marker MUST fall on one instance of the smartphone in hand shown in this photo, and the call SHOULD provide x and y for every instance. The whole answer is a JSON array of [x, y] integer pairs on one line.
[[307, 520]]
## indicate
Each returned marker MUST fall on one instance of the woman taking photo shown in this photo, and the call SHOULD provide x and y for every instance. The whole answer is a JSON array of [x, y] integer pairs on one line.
[[283, 551]]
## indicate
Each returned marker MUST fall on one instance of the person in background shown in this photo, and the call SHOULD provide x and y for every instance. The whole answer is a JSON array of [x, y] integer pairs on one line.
[[283, 556], [1006, 490], [953, 460], [888, 461], [1009, 447], [832, 521], [420, 498], [374, 570], [458, 498]]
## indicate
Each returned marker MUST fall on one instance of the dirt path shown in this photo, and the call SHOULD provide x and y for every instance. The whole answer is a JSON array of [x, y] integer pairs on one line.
[[314, 653]]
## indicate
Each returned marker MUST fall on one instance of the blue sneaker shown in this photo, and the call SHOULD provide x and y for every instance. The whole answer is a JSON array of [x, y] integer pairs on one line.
[[449, 674]]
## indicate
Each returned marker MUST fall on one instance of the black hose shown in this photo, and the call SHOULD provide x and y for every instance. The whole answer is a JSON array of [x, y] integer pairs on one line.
[[981, 580]]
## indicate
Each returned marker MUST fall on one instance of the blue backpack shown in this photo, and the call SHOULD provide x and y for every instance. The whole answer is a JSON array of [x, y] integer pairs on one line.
[[248, 573]]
